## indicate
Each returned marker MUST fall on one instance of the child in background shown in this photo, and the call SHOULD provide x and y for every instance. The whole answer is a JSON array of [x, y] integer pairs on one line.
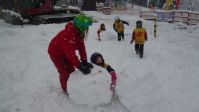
[[118, 26], [102, 28], [140, 36]]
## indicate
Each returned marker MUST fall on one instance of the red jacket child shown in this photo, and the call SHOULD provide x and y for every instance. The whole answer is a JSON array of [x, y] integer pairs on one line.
[[63, 46]]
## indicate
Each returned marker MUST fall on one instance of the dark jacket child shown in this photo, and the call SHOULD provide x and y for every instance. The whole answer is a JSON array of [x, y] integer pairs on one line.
[[102, 28], [63, 46], [139, 36], [97, 59], [119, 28]]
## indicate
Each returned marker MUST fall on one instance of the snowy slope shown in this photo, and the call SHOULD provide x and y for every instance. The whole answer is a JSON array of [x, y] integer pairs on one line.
[[165, 80]]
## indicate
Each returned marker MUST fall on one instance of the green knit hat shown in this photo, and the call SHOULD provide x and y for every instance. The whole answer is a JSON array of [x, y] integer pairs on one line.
[[82, 22]]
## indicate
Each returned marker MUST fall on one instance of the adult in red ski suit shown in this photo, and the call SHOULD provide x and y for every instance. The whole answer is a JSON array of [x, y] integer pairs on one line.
[[62, 50]]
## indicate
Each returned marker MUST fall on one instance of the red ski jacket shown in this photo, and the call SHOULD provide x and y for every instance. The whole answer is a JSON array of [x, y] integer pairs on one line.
[[66, 42]]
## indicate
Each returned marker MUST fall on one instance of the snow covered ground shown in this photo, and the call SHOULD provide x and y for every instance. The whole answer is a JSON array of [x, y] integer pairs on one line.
[[165, 80]]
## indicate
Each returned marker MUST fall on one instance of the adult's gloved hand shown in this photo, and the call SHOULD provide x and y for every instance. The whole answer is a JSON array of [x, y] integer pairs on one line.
[[87, 64], [84, 69]]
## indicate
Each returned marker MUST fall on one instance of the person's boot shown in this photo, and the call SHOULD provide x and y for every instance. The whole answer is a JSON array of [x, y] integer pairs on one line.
[[137, 52], [99, 39], [141, 56], [123, 38], [119, 38], [66, 93]]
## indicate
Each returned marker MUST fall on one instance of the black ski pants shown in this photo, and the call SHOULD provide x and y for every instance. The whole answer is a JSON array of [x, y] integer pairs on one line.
[[139, 49], [120, 36]]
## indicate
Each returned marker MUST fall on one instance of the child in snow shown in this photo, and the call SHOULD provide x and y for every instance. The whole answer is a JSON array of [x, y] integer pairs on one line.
[[102, 28], [119, 27], [97, 59], [140, 36], [63, 46]]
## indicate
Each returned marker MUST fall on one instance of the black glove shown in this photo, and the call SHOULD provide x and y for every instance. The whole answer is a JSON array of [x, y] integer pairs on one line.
[[87, 64], [84, 69]]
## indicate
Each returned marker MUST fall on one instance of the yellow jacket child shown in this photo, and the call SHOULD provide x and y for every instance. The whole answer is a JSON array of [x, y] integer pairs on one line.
[[119, 28], [139, 36]]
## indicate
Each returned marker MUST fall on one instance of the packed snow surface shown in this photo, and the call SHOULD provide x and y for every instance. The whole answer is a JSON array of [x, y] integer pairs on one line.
[[165, 80]]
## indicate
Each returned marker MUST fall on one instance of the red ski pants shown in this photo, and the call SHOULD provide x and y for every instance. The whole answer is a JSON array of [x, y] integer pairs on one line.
[[64, 68]]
